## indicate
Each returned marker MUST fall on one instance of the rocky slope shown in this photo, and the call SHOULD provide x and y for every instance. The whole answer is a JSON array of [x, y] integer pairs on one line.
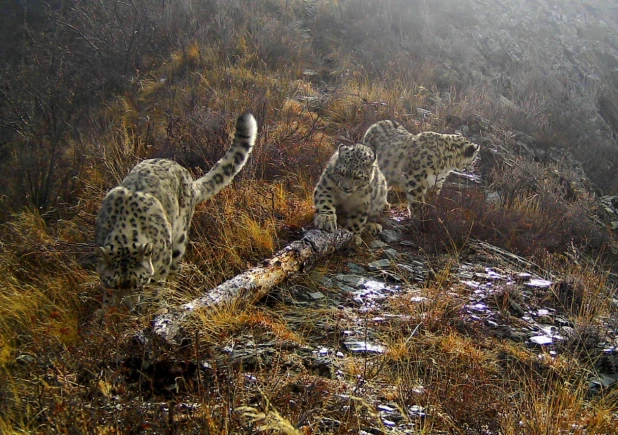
[[552, 63], [572, 46]]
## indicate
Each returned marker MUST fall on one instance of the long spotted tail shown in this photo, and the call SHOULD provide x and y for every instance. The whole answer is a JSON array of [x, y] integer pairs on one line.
[[224, 171]]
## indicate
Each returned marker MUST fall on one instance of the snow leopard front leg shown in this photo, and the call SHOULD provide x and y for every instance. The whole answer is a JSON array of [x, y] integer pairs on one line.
[[356, 221], [415, 194], [325, 210], [437, 187], [359, 221]]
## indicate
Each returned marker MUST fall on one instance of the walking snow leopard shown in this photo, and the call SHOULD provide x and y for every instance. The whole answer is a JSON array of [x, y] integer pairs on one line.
[[143, 224], [418, 162], [351, 191]]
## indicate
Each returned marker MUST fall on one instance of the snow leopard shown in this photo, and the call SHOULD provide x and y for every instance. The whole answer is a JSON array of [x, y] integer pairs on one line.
[[417, 162], [142, 226], [351, 191]]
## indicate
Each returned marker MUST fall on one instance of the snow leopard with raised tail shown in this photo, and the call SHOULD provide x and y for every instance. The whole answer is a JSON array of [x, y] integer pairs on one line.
[[351, 191], [418, 162], [143, 224]]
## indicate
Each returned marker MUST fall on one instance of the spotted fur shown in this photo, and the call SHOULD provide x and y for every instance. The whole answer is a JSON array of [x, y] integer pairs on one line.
[[416, 163], [351, 191], [143, 224]]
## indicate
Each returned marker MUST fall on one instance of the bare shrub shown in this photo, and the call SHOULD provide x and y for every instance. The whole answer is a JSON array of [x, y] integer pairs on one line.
[[39, 112], [538, 212]]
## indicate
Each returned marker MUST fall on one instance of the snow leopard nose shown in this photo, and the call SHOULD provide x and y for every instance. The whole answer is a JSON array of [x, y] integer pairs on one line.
[[346, 188]]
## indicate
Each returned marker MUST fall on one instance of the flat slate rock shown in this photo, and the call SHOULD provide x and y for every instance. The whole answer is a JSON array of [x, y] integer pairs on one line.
[[391, 254], [355, 268], [379, 264], [390, 236], [377, 244]]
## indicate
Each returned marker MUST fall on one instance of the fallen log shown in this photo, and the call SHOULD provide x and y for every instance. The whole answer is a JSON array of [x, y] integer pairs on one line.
[[255, 283]]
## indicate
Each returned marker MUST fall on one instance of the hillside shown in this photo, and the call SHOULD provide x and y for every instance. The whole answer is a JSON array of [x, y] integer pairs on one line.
[[493, 312]]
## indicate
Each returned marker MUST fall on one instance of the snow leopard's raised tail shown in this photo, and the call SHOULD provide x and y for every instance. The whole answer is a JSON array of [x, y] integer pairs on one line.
[[224, 171]]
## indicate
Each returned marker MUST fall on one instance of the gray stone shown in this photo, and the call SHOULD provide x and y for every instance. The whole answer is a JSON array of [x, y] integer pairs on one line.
[[390, 236], [601, 382], [377, 244], [355, 268], [541, 340], [359, 346], [391, 253], [379, 264], [538, 283], [351, 279]]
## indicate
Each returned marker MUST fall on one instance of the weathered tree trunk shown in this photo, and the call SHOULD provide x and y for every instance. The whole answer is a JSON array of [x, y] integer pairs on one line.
[[255, 283]]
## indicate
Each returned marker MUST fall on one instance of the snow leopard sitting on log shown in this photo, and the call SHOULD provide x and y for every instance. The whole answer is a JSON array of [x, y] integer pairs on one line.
[[143, 224], [351, 191]]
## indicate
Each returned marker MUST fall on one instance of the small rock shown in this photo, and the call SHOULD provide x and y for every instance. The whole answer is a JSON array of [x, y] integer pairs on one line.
[[380, 264], [471, 284], [491, 323], [418, 299], [541, 340], [518, 336], [316, 295], [375, 286], [391, 253], [390, 236], [601, 382], [538, 283], [478, 307], [391, 276], [358, 346], [25, 359], [546, 320], [347, 288], [388, 422], [324, 280], [355, 268], [553, 332], [377, 244], [414, 269], [353, 280], [416, 411], [322, 366], [519, 311]]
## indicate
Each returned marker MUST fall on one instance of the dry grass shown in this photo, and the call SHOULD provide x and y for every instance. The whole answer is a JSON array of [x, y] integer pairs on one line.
[[63, 371], [530, 209]]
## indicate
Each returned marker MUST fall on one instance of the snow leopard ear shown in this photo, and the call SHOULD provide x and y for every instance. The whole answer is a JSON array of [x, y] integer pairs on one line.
[[372, 157], [470, 150], [102, 253], [143, 251]]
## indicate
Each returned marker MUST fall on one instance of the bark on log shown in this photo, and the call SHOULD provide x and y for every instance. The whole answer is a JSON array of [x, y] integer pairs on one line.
[[255, 283]]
